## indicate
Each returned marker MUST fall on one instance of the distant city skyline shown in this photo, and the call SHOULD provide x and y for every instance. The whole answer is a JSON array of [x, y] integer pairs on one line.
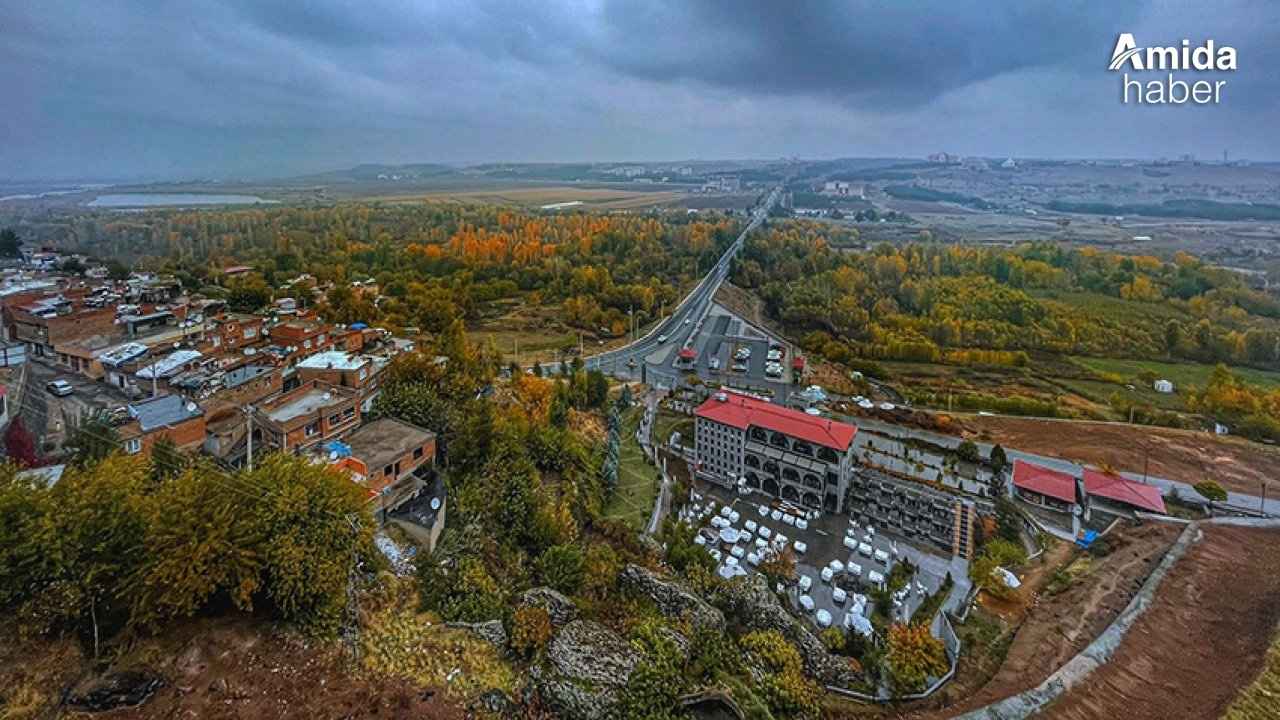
[[244, 89]]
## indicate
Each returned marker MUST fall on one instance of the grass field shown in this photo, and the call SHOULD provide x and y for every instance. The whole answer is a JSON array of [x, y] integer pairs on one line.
[[590, 198], [1182, 374], [669, 422], [637, 479]]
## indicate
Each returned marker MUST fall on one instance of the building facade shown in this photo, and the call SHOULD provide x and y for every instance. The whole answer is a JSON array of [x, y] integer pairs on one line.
[[780, 452]]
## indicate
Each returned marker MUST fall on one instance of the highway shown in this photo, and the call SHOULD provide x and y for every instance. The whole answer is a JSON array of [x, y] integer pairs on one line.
[[627, 360]]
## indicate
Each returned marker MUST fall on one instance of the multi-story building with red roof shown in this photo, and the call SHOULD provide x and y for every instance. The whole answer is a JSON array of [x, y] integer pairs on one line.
[[781, 452]]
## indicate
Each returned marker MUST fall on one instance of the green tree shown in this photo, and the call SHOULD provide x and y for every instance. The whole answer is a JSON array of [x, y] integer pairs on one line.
[[10, 245], [93, 439], [166, 460], [967, 451], [561, 568], [999, 461], [1211, 491]]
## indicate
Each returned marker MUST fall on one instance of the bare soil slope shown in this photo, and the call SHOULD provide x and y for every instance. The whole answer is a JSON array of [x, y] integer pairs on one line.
[[1204, 637], [1182, 455]]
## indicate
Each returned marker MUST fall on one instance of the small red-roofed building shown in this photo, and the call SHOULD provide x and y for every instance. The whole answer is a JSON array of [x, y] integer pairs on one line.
[[781, 452]]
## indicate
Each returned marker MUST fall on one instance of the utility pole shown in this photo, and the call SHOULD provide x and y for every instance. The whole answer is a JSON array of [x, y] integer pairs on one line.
[[248, 419]]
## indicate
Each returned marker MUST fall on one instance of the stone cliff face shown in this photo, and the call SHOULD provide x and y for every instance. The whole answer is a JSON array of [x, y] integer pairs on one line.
[[674, 601], [587, 667]]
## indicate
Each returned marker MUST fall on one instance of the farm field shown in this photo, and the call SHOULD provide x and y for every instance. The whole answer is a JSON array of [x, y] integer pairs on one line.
[[1182, 374], [1205, 636], [590, 198]]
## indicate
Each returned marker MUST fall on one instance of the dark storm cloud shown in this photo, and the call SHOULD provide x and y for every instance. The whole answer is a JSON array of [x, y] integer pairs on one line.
[[262, 88], [889, 53]]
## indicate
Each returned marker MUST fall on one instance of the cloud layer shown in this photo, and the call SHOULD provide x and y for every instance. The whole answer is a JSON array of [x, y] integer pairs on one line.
[[245, 87]]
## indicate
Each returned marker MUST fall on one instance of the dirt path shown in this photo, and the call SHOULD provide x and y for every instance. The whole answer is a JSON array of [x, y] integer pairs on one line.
[[1057, 626], [1184, 455], [1203, 638]]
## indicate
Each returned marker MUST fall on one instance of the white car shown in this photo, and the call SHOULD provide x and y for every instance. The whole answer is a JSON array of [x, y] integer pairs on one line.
[[827, 574], [824, 618], [854, 569], [737, 551], [734, 517], [726, 511], [765, 533], [864, 549], [688, 320], [806, 602], [776, 515], [750, 526], [850, 543], [788, 519], [761, 544], [802, 524], [838, 595], [753, 558], [699, 540], [662, 339], [764, 511], [800, 547], [716, 555], [836, 566], [805, 583], [882, 557], [746, 538], [59, 388]]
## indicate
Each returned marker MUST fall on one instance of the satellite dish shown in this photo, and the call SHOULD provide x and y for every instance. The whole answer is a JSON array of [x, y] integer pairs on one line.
[[435, 503], [191, 407]]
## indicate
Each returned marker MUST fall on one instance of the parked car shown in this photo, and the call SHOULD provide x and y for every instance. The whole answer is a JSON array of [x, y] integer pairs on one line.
[[60, 388]]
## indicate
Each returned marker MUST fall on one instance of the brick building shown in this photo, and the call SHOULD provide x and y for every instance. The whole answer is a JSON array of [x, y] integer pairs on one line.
[[181, 420]]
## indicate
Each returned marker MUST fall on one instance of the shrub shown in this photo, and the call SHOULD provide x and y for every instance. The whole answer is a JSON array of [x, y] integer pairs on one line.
[[530, 630]]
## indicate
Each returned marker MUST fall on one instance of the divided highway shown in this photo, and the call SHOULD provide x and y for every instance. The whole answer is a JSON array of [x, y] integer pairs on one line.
[[676, 328]]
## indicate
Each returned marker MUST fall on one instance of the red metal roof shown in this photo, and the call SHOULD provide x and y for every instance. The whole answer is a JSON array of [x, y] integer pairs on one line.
[[1129, 492], [688, 353], [742, 412], [797, 362], [1039, 479]]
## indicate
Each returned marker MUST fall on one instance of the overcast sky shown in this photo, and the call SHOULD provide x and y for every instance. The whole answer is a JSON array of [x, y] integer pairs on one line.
[[229, 88]]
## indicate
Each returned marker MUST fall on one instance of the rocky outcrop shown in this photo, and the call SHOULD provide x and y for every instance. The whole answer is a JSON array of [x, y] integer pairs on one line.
[[559, 608], [495, 703], [755, 607], [490, 630], [673, 600], [586, 669], [115, 690]]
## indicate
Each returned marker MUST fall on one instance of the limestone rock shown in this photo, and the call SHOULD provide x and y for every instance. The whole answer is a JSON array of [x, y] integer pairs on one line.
[[559, 608], [587, 667], [673, 600]]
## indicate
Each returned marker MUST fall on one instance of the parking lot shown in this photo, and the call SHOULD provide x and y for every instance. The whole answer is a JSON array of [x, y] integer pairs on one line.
[[866, 555], [735, 353]]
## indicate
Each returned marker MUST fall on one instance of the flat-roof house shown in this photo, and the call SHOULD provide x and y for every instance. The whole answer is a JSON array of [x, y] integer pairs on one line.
[[166, 415], [305, 416]]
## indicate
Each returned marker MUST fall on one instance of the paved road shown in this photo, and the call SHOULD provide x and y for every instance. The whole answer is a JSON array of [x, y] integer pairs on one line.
[[1272, 506], [674, 331]]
